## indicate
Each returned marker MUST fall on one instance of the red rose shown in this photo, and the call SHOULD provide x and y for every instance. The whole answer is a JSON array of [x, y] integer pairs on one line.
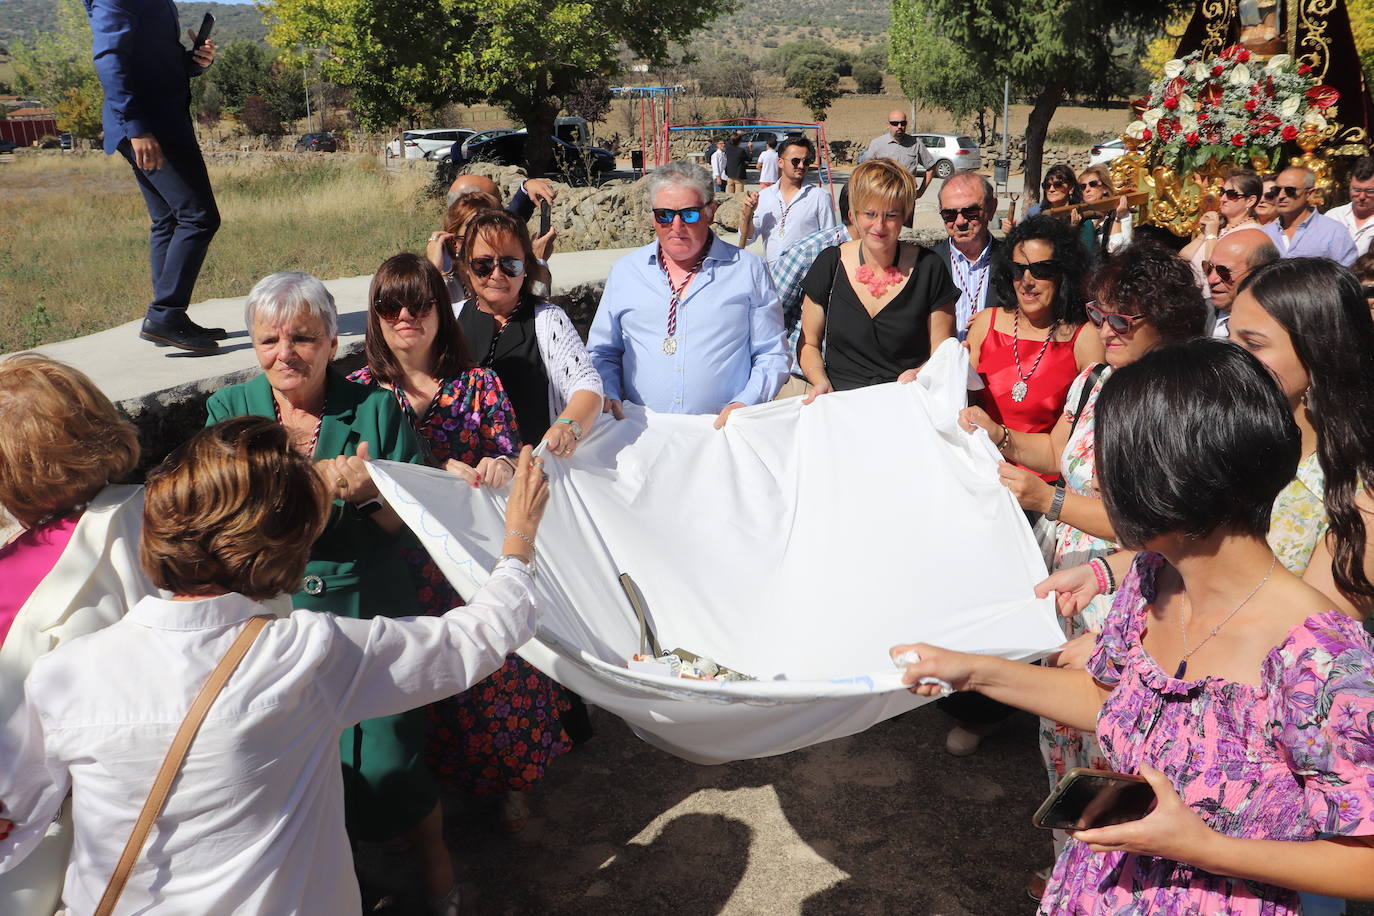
[[1192, 138], [1289, 132], [1243, 55], [1304, 70], [1171, 102], [1146, 135], [1230, 53], [1251, 105], [1238, 140], [1218, 70]]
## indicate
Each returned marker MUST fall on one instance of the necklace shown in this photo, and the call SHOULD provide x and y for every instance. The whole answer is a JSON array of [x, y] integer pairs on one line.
[[1183, 626], [877, 283], [1020, 389], [309, 451], [786, 209], [964, 280], [676, 289]]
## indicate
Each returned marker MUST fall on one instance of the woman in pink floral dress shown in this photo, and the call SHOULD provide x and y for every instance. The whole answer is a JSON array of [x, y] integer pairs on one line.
[[1220, 677]]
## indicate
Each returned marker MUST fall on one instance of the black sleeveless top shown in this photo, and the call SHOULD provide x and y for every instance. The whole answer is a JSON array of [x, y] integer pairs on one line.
[[513, 354]]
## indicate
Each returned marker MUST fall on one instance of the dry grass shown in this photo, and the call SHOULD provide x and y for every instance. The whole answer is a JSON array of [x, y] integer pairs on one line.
[[74, 243]]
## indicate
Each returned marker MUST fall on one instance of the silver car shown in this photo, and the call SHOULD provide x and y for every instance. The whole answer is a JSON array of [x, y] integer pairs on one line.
[[429, 143], [952, 152]]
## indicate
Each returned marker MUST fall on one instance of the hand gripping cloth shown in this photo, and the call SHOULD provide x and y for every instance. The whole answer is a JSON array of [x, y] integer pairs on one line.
[[796, 545]]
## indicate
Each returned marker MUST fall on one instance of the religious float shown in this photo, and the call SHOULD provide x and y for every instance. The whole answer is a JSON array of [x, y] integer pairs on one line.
[[1258, 84]]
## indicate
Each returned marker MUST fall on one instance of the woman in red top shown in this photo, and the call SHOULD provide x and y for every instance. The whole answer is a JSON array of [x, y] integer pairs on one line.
[[1029, 350]]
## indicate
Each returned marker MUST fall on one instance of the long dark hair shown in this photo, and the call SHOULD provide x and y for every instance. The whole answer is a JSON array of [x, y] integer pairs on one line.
[[1064, 173], [493, 226], [1321, 306], [1069, 254], [412, 280]]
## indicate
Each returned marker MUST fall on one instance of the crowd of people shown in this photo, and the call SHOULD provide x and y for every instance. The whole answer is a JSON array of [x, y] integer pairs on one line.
[[1188, 428]]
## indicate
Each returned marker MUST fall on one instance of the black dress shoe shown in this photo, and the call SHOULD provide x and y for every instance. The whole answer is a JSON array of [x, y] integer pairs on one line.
[[212, 333], [178, 335]]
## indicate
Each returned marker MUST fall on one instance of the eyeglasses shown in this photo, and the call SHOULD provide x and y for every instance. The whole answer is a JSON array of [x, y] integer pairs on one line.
[[1222, 271], [1053, 183], [484, 267], [1040, 270], [1368, 290], [390, 309], [1271, 193], [1092, 183], [664, 216], [1288, 190], [796, 162], [1231, 194], [970, 213], [1361, 192], [897, 123], [1121, 324]]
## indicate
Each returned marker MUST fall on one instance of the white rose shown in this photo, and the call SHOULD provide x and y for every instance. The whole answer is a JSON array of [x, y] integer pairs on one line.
[[1289, 106], [1200, 72], [1315, 120], [1152, 116], [1240, 76], [1135, 130], [1173, 68], [1278, 62]]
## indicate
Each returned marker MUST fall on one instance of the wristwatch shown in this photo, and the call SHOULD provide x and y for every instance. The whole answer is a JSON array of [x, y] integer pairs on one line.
[[370, 507], [576, 427], [1056, 504]]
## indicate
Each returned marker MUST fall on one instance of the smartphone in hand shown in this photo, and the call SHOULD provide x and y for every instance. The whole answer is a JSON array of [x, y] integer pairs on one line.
[[207, 23], [1086, 798], [545, 220]]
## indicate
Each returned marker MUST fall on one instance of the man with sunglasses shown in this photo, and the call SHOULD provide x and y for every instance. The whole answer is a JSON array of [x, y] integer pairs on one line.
[[901, 147], [689, 323], [1358, 216], [1302, 232], [1235, 256], [790, 209], [967, 202]]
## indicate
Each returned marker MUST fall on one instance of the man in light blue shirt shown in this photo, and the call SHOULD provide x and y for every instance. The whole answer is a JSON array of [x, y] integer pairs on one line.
[[1302, 232], [689, 323]]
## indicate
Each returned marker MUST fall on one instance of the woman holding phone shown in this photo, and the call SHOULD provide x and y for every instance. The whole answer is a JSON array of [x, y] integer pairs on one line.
[[1231, 686]]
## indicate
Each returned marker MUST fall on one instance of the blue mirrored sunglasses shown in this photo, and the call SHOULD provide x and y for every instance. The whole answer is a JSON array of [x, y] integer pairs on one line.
[[664, 217]]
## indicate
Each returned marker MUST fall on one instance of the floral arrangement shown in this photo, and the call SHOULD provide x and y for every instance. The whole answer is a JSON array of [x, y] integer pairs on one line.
[[1232, 108]]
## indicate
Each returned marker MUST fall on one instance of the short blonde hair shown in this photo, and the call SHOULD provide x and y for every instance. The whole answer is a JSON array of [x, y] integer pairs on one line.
[[61, 440], [883, 182], [234, 509]]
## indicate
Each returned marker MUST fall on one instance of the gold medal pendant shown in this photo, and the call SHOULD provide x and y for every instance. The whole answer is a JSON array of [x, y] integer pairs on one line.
[[670, 345]]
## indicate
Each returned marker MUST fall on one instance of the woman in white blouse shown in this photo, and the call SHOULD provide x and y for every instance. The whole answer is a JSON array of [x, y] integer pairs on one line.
[[254, 822]]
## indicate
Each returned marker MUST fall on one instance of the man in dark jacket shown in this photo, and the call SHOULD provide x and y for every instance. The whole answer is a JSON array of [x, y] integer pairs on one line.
[[146, 74], [736, 159]]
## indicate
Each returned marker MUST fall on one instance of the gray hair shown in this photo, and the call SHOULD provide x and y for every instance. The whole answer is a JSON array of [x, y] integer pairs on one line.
[[286, 295], [682, 174], [968, 175]]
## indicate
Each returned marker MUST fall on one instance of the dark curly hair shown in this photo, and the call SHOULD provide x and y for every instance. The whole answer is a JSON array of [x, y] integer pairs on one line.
[[1068, 254], [1148, 279], [1067, 175]]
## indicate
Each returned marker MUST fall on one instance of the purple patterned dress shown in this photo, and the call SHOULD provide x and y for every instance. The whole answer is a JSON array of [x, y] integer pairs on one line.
[[1291, 759], [499, 735]]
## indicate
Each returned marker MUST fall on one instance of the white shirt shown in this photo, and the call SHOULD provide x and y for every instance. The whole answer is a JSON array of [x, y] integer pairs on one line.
[[254, 823], [718, 165], [1345, 215], [973, 279], [768, 166], [779, 225]]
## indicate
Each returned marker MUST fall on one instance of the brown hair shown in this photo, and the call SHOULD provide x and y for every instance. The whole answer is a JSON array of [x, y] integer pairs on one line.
[[885, 182], [412, 280], [1102, 174], [495, 227], [234, 509], [465, 207], [61, 440]]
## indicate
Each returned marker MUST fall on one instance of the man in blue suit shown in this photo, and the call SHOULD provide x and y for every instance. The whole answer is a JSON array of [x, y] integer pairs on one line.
[[146, 74]]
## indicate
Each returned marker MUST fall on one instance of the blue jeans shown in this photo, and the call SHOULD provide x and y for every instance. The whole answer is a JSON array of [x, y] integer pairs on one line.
[[182, 207]]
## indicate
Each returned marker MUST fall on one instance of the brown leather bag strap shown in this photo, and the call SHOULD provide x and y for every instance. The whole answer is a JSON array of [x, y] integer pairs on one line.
[[181, 743]]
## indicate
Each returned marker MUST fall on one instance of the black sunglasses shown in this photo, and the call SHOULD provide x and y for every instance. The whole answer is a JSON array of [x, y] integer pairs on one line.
[[969, 213], [1118, 322], [484, 267], [1040, 270], [897, 123], [1271, 194], [664, 216], [1053, 183], [390, 309], [1289, 190], [1231, 194], [796, 162], [1222, 270], [1092, 183], [1368, 290]]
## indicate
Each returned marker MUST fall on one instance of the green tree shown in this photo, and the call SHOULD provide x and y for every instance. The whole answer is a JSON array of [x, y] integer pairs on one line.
[[404, 57], [1049, 49], [803, 65], [79, 113], [781, 60], [931, 68], [242, 69], [868, 77], [257, 117], [731, 76], [875, 55], [590, 99], [817, 91], [57, 68]]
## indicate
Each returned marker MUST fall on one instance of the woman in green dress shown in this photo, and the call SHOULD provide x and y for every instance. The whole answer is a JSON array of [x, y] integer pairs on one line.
[[356, 568]]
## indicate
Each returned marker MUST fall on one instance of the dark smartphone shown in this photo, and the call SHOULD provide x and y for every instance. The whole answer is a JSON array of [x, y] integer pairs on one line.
[[1085, 799], [544, 217], [207, 23]]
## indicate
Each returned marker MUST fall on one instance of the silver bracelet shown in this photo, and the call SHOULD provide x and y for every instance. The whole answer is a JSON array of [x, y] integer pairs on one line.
[[1056, 504], [511, 532]]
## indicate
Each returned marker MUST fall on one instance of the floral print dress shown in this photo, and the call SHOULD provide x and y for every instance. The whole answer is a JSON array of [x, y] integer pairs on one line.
[[1298, 521], [499, 735], [1291, 759], [1062, 747]]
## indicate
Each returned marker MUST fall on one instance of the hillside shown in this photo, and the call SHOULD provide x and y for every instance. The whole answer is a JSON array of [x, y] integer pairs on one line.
[[755, 28]]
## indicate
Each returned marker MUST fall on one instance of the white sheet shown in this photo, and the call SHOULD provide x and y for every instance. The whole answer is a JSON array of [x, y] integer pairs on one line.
[[796, 545]]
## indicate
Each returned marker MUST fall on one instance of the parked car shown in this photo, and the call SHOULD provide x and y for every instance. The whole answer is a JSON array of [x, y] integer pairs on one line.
[[429, 143], [756, 141], [573, 164], [952, 152], [1106, 151], [65, 140], [320, 141], [8, 146], [483, 135]]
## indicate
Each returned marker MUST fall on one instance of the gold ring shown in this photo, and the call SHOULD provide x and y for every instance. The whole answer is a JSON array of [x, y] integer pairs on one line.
[[341, 483]]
